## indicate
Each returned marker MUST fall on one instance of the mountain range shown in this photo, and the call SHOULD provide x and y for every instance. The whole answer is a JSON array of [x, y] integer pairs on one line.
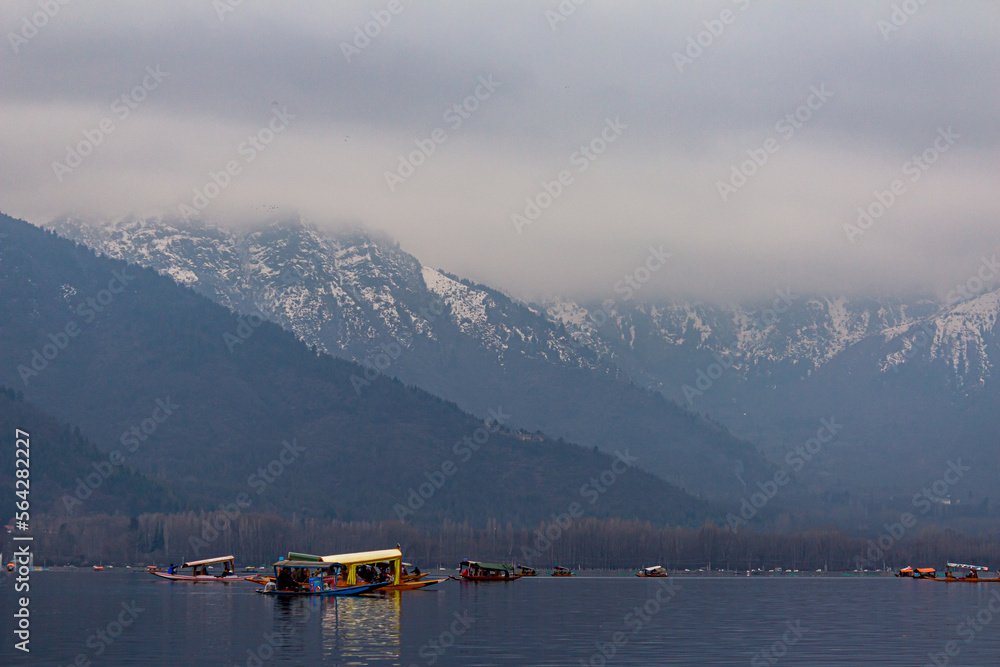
[[906, 383], [202, 407]]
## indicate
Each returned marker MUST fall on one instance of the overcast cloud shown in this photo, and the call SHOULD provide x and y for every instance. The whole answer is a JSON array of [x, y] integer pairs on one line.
[[673, 128]]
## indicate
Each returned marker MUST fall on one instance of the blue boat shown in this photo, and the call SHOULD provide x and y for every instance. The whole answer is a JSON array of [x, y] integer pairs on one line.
[[300, 577]]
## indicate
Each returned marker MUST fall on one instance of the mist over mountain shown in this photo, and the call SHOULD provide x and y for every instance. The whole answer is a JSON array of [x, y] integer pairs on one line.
[[908, 382], [360, 296]]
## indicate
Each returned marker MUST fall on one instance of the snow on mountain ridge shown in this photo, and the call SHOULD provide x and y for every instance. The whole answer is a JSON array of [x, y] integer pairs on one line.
[[350, 292]]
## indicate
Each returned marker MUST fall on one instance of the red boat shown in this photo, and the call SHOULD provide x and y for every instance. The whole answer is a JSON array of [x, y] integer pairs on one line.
[[472, 570], [200, 571]]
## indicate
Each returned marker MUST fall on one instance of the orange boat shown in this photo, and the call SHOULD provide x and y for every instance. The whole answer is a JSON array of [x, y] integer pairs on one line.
[[971, 578], [472, 570], [525, 571], [917, 573], [560, 571]]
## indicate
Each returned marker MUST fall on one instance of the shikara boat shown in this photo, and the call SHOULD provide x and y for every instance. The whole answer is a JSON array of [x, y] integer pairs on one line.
[[560, 571], [199, 571], [971, 578], [472, 570], [384, 567], [315, 578], [525, 571], [654, 571], [917, 572]]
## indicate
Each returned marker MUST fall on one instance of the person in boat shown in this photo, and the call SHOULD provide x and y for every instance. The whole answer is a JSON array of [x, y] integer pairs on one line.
[[284, 581], [416, 571], [171, 569]]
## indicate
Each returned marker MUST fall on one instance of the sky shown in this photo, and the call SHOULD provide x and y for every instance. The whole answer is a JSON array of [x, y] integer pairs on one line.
[[543, 148]]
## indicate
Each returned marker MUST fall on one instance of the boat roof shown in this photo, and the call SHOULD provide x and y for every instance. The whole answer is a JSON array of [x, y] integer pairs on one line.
[[208, 561], [923, 570], [559, 567], [968, 567], [362, 557], [312, 564], [488, 566], [654, 568]]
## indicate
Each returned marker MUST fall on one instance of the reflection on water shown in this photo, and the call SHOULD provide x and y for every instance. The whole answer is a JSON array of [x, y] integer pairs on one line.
[[363, 628], [540, 621], [352, 630]]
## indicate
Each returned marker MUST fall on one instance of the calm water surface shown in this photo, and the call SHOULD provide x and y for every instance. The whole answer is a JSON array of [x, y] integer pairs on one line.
[[537, 621]]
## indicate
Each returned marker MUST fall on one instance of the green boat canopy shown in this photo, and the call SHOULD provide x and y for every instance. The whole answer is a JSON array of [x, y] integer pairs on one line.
[[500, 567]]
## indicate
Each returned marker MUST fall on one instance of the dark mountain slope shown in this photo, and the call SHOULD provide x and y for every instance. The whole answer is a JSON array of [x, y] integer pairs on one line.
[[253, 410]]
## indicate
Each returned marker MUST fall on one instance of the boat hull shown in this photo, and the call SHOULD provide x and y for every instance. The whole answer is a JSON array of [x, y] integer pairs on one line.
[[411, 585], [344, 590], [200, 578], [479, 577]]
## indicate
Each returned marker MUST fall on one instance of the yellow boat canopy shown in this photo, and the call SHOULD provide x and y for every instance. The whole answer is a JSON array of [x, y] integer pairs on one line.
[[351, 561], [209, 561], [924, 570], [364, 557]]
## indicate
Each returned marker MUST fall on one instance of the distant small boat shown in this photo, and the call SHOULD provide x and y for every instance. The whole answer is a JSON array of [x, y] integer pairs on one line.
[[654, 571], [560, 571], [199, 572], [525, 571], [472, 570], [98, 568], [917, 573], [152, 568]]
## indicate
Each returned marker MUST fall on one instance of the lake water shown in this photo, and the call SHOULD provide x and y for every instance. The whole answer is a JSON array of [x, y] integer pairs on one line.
[[535, 621]]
